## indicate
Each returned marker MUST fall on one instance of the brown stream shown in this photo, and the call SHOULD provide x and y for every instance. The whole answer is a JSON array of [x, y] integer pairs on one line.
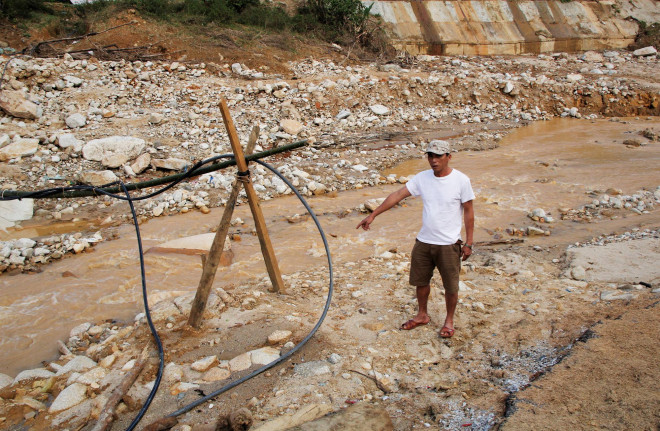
[[547, 165]]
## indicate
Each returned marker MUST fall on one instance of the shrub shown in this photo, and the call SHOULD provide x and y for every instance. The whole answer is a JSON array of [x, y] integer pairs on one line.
[[14, 9]]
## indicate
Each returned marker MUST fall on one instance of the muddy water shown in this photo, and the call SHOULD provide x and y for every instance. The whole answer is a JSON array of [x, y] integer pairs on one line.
[[548, 165]]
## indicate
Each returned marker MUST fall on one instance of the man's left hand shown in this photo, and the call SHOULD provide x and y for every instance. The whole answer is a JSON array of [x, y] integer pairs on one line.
[[466, 252]]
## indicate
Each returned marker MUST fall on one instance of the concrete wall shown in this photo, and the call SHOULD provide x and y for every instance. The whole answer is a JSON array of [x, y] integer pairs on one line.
[[488, 27]]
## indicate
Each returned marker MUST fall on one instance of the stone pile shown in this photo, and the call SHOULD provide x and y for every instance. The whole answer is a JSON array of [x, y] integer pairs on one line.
[[605, 204], [25, 253]]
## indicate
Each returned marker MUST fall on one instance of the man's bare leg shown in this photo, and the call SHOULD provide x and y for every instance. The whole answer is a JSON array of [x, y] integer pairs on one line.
[[422, 317], [451, 299]]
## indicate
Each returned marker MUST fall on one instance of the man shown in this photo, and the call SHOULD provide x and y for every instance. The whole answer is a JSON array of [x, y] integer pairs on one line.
[[447, 197]]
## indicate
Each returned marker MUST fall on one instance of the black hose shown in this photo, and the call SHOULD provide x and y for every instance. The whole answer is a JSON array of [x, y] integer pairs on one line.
[[287, 355], [161, 354], [194, 171]]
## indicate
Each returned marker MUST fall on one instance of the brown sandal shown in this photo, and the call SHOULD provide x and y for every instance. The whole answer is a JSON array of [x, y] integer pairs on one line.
[[446, 332], [411, 324]]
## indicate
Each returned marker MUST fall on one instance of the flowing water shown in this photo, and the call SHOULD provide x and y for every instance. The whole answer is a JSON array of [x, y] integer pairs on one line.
[[547, 165]]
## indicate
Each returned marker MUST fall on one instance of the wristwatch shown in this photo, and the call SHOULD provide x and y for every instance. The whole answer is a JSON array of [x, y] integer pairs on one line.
[[468, 246]]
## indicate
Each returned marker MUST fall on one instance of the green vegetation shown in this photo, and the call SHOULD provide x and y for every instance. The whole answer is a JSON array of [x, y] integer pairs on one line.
[[331, 20], [21, 9]]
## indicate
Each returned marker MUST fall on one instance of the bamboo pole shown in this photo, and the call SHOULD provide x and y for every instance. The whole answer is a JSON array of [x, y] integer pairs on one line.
[[253, 201], [212, 260]]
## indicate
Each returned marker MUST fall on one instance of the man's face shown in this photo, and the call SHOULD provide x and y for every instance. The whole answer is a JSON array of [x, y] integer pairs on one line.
[[438, 162]]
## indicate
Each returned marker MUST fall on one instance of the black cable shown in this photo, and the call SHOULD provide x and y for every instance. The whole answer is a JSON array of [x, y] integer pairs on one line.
[[161, 353], [287, 355], [191, 172]]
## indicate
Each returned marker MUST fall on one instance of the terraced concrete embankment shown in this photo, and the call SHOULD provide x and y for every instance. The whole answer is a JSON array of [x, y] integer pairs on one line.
[[492, 27]]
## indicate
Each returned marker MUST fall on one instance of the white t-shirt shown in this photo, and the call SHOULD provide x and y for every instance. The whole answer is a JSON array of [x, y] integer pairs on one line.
[[443, 197]]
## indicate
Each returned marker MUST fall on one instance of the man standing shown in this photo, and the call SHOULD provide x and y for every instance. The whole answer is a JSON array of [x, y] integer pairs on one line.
[[447, 197]]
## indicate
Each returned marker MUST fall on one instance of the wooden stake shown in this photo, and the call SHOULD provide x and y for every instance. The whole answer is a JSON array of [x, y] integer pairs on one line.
[[253, 200], [212, 260], [107, 415]]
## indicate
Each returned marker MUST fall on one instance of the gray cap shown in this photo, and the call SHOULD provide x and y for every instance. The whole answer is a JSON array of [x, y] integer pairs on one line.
[[438, 147]]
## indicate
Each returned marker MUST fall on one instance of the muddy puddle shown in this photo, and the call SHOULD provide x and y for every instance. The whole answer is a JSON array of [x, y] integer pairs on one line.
[[547, 164]]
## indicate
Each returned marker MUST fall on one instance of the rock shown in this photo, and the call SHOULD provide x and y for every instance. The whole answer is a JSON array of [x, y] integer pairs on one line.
[[303, 416], [309, 369], [75, 121], [77, 331], [279, 336], [264, 356], [5, 381], [508, 87], [170, 163], [616, 295], [37, 373], [69, 397], [649, 50], [15, 104], [204, 363], [69, 140], [78, 363], [141, 163], [372, 204], [113, 151], [534, 231], [215, 374], [344, 113], [379, 109], [578, 273], [20, 148], [183, 387], [172, 373], [98, 178], [16, 210], [241, 362], [291, 127]]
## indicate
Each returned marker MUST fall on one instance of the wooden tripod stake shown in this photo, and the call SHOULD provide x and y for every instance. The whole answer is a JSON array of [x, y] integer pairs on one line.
[[213, 258]]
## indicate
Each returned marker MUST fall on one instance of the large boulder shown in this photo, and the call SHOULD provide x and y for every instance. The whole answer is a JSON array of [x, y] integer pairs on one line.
[[113, 151], [20, 148], [15, 104]]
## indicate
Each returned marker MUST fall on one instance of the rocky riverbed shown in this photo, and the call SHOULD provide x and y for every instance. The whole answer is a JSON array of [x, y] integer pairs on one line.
[[525, 307]]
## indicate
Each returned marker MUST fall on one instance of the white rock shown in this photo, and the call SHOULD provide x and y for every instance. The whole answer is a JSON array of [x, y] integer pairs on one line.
[[171, 163], [113, 151], [98, 178], [508, 87], [578, 273], [291, 127], [75, 121], [216, 374], [24, 243], [204, 363], [264, 356], [241, 362], [649, 50], [69, 397], [379, 109], [21, 148], [37, 373], [78, 363], [5, 380], [16, 210], [279, 336], [16, 105], [68, 140]]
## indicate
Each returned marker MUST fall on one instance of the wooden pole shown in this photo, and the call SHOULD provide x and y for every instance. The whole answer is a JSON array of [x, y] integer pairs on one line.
[[211, 262], [253, 200]]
